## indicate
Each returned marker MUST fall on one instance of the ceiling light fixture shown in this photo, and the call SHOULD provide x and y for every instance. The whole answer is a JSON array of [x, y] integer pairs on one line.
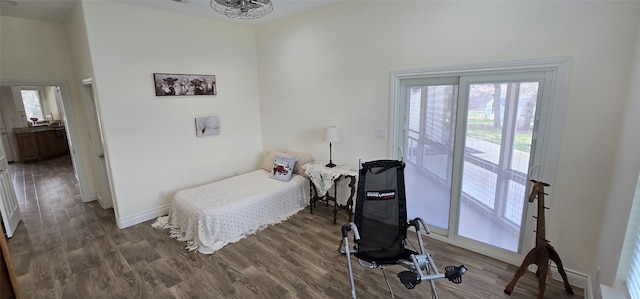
[[242, 9]]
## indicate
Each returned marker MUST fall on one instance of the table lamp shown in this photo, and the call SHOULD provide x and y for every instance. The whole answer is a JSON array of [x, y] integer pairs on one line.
[[330, 135]]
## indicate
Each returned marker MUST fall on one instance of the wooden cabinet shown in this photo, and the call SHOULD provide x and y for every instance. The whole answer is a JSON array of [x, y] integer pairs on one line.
[[62, 144], [27, 146], [46, 144], [37, 144]]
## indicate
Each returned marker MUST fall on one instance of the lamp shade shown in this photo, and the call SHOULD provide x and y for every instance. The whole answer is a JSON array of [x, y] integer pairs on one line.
[[330, 134]]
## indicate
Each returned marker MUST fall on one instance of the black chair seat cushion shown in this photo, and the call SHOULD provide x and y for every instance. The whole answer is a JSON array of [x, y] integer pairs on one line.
[[385, 257]]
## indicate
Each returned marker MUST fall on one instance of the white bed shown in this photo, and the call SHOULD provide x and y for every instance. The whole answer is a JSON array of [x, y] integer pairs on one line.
[[211, 216]]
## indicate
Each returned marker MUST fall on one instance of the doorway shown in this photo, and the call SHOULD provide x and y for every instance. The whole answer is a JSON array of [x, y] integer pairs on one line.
[[57, 95], [26, 109]]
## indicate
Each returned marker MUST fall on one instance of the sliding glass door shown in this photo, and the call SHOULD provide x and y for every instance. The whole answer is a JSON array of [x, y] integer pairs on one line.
[[467, 142]]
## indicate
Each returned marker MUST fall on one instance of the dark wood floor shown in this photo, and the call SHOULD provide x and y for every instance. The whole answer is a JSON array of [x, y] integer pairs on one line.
[[68, 249]]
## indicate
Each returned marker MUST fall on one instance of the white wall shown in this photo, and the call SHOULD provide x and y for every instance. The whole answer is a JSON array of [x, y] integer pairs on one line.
[[79, 43], [622, 182], [34, 50], [331, 66], [79, 50], [150, 141]]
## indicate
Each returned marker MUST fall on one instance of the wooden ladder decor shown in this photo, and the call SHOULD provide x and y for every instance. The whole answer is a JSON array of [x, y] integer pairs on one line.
[[543, 252]]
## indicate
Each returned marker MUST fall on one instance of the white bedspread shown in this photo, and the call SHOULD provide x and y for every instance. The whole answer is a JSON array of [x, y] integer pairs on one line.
[[211, 216]]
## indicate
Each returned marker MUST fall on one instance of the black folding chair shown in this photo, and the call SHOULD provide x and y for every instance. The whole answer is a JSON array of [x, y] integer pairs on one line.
[[380, 229]]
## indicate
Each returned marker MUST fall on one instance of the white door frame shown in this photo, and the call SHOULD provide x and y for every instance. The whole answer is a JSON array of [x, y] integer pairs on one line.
[[98, 150], [9, 151], [72, 130]]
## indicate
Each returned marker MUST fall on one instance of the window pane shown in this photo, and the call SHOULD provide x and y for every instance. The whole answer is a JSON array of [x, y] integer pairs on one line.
[[32, 107], [496, 160], [430, 142], [630, 257]]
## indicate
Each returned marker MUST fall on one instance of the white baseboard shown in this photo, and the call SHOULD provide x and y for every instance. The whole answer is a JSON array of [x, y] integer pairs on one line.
[[90, 197], [142, 217], [575, 278]]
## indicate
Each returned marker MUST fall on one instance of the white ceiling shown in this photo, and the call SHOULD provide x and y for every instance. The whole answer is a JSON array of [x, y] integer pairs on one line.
[[50, 11], [59, 10]]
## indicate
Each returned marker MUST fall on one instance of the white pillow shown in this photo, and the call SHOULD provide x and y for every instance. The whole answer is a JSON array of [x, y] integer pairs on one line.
[[303, 158], [267, 163], [283, 168]]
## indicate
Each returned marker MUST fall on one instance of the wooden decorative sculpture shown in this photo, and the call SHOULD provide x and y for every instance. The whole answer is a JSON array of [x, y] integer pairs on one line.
[[542, 253]]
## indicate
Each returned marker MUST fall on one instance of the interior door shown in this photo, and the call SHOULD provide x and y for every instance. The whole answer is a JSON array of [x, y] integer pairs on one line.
[[4, 136], [8, 201], [103, 186], [8, 119]]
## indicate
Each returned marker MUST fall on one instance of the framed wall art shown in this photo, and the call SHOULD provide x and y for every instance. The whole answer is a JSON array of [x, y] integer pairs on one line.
[[209, 125], [184, 85]]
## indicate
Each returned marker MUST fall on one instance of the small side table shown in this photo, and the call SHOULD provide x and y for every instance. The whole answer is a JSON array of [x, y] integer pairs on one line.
[[322, 178]]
